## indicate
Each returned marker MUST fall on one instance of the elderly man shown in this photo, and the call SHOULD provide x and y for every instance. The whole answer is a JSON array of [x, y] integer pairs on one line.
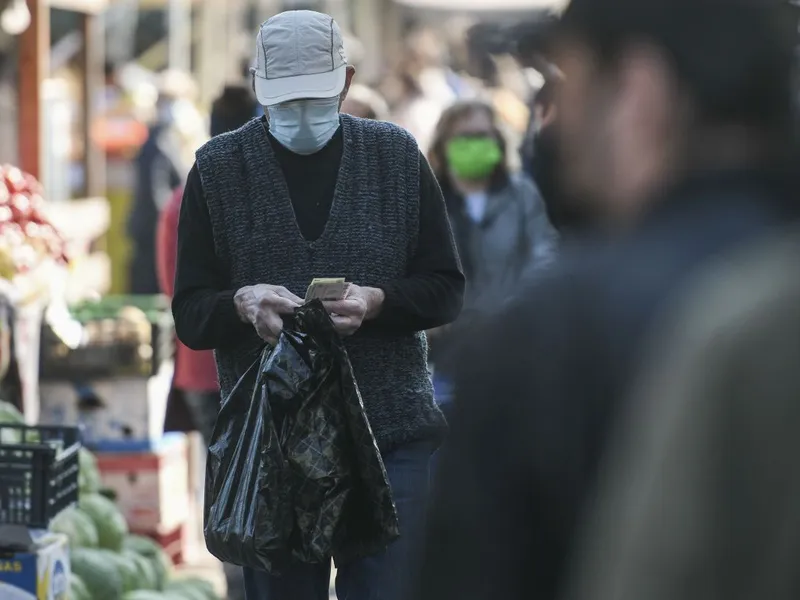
[[309, 192]]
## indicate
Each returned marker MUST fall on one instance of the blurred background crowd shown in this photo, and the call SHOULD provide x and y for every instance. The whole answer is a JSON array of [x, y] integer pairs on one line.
[[121, 85]]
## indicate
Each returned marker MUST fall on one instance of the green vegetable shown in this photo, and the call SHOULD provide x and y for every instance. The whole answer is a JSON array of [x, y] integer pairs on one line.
[[77, 588], [10, 415], [100, 573], [192, 588], [77, 526], [89, 475], [111, 525], [154, 553]]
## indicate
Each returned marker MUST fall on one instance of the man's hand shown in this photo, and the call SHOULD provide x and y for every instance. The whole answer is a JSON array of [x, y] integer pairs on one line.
[[360, 304], [262, 306]]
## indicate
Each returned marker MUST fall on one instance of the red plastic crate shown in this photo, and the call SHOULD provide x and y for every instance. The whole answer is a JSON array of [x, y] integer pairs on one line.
[[174, 542]]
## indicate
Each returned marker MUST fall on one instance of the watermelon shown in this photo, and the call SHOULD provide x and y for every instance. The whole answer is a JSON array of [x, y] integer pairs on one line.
[[146, 575], [149, 549], [77, 526], [99, 572], [77, 588], [148, 595], [89, 474], [127, 569], [111, 525], [192, 588]]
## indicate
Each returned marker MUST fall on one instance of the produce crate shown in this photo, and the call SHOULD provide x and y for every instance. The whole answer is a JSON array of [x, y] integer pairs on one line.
[[116, 349], [173, 541], [38, 473], [151, 486]]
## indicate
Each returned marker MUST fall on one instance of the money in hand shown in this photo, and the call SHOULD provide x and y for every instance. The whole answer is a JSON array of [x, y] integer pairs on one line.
[[327, 289]]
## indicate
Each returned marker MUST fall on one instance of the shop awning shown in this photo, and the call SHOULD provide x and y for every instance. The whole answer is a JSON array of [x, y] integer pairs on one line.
[[487, 5], [82, 6]]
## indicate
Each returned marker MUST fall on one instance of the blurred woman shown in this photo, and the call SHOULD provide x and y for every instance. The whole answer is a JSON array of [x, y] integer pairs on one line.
[[366, 103], [498, 219], [195, 398]]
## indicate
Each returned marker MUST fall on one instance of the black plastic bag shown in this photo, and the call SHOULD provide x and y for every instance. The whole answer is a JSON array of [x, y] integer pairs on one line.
[[293, 470]]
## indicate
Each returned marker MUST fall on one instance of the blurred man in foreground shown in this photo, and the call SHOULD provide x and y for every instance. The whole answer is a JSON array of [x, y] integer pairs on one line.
[[701, 496], [674, 118]]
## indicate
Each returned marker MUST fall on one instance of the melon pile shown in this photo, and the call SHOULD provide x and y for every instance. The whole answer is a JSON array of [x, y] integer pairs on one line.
[[107, 561]]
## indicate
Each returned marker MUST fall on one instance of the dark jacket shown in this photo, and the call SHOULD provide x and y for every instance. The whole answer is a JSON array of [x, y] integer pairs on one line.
[[158, 173], [540, 386], [701, 495]]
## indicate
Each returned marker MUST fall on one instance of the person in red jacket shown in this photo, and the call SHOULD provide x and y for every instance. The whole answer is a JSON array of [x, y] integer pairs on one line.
[[195, 380], [195, 372]]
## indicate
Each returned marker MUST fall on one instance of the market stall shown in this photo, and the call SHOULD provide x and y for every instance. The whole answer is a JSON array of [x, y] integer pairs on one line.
[[41, 140], [80, 370], [64, 533]]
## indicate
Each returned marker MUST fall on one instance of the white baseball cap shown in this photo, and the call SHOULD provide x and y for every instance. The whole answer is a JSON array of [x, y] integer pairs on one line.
[[299, 54]]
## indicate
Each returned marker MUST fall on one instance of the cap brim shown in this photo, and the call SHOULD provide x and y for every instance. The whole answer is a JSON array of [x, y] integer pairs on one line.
[[285, 89]]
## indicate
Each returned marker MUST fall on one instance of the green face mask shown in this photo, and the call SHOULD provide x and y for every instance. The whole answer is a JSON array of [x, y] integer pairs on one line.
[[473, 157]]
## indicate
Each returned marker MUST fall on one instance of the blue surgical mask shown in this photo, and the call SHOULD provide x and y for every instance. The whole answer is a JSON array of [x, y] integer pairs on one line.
[[304, 126]]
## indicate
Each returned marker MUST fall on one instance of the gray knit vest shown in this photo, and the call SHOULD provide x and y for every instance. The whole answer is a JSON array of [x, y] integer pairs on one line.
[[369, 239]]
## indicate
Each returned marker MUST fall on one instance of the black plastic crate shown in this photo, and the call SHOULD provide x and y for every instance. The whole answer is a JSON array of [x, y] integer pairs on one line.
[[38, 473]]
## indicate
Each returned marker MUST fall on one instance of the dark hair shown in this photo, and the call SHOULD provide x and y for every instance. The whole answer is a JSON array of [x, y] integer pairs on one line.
[[437, 153], [235, 107], [244, 68], [733, 57]]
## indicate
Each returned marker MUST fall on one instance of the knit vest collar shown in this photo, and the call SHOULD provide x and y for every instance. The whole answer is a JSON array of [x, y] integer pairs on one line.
[[275, 174]]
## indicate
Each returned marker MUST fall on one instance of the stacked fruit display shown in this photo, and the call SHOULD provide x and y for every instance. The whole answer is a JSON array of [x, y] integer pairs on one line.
[[28, 241], [107, 561]]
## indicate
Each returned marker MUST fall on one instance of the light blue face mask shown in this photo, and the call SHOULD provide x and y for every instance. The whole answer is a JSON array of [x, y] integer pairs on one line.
[[304, 126]]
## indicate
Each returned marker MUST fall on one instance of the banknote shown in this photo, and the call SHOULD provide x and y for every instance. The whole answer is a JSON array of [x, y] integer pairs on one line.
[[327, 289]]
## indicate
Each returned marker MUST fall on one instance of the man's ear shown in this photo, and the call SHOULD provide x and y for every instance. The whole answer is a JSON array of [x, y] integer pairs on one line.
[[350, 72]]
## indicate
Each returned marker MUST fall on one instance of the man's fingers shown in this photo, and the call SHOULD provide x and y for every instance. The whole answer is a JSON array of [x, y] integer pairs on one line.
[[268, 326], [265, 334], [346, 308], [344, 325], [284, 293], [283, 306]]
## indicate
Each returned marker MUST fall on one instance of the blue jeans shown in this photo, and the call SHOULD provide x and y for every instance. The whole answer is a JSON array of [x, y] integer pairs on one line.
[[443, 390], [386, 576]]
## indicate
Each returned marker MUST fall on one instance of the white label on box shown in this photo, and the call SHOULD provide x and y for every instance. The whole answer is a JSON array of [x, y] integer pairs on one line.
[[132, 408]]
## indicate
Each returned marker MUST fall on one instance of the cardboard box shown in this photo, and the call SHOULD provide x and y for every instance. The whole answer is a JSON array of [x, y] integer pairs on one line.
[[112, 412], [152, 487], [37, 575]]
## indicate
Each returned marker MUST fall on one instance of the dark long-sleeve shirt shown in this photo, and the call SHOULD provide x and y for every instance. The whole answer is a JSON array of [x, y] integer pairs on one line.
[[429, 296], [534, 407]]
